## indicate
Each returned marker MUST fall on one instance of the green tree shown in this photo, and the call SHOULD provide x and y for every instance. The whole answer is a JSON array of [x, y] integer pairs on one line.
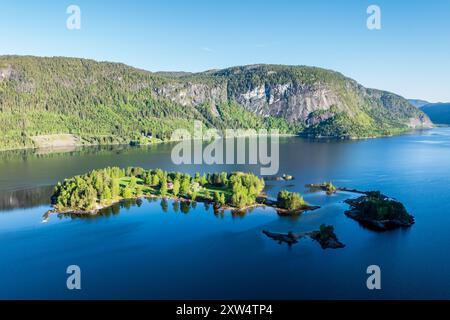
[[176, 187], [219, 198], [186, 185], [147, 178], [224, 178], [163, 187], [127, 193], [203, 180], [106, 194], [290, 200], [98, 182], [139, 191], [133, 182], [115, 188], [155, 180]]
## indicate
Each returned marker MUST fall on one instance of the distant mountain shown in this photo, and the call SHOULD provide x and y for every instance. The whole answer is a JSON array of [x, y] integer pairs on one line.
[[418, 103], [439, 113], [67, 100]]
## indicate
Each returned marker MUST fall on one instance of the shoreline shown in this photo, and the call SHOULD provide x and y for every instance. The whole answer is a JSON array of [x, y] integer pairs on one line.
[[271, 204], [299, 135], [100, 207], [143, 145]]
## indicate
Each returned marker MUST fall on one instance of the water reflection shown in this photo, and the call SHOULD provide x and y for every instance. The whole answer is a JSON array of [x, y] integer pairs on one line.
[[24, 154], [23, 199], [178, 206]]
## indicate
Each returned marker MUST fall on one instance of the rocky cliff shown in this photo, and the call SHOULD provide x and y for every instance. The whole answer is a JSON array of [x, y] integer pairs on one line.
[[302, 95]]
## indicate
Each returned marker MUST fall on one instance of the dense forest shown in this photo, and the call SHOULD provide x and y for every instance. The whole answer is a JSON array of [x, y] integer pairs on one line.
[[101, 188], [108, 103]]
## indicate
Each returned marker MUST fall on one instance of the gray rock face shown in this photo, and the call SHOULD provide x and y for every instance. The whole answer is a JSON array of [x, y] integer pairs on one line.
[[292, 101], [5, 73], [8, 73], [298, 94], [192, 94]]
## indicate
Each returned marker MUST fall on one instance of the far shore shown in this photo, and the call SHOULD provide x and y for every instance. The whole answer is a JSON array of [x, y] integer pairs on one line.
[[62, 147]]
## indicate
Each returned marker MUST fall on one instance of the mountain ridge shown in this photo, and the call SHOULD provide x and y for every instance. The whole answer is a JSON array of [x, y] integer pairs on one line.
[[105, 102], [418, 103], [439, 112]]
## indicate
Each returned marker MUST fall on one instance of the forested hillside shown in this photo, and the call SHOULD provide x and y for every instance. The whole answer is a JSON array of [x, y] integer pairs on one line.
[[105, 103]]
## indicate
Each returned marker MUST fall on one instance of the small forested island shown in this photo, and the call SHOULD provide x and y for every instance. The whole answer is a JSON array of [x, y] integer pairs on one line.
[[98, 189], [325, 236], [89, 193], [101, 188], [328, 187], [289, 203], [378, 212]]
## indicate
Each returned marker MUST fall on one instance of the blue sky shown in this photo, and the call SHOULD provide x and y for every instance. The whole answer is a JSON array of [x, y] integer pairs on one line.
[[409, 55]]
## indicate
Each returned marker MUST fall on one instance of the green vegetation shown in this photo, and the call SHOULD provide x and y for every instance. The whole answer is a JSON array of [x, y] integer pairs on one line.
[[378, 207], [85, 192], [103, 187], [219, 198], [244, 189], [342, 125], [326, 232], [102, 103], [378, 212], [110, 103], [290, 201], [329, 187], [326, 237]]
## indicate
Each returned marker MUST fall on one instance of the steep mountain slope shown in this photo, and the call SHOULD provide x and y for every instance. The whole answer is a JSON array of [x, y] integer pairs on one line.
[[113, 103], [439, 113]]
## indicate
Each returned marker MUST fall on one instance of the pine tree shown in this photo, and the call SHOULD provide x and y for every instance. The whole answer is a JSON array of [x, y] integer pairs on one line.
[[163, 187], [147, 178], [133, 183], [115, 188], [139, 191], [176, 187], [155, 180], [186, 185], [106, 194], [127, 193]]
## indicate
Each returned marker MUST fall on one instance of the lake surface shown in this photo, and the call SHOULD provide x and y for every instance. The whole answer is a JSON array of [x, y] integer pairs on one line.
[[159, 250]]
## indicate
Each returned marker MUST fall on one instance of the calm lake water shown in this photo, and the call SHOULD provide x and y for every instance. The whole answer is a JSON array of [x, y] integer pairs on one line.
[[154, 250]]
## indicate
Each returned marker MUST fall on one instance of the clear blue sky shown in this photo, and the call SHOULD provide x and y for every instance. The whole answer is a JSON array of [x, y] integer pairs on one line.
[[410, 55]]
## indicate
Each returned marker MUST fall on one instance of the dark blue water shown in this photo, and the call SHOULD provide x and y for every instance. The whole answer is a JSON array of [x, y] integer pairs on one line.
[[142, 251]]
